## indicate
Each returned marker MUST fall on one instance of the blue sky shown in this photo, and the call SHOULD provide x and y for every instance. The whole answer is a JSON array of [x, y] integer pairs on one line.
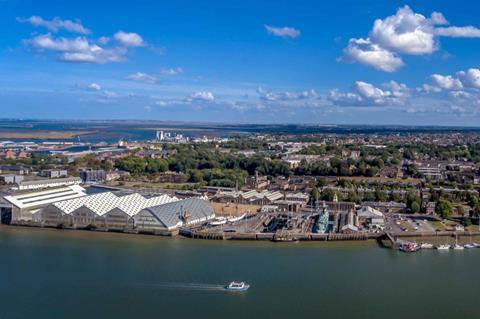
[[345, 62]]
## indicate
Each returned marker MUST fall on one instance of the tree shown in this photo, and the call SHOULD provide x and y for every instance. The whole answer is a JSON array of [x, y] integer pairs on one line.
[[444, 208], [380, 196], [315, 194], [328, 194], [415, 207]]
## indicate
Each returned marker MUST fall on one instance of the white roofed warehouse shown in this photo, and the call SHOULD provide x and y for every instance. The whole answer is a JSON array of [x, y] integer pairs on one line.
[[25, 205], [107, 210], [172, 216]]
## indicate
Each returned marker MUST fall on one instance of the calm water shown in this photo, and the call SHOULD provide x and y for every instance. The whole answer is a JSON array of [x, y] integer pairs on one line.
[[67, 274]]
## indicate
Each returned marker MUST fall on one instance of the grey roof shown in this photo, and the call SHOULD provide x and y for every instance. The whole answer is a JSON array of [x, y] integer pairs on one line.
[[171, 214]]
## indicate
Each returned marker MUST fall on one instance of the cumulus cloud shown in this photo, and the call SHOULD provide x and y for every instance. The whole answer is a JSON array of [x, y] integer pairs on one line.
[[80, 49], [77, 50], [406, 32], [365, 52], [458, 32], [471, 78], [142, 77], [284, 32], [285, 96], [171, 71], [446, 82], [129, 39], [205, 96], [366, 94], [94, 87], [56, 24]]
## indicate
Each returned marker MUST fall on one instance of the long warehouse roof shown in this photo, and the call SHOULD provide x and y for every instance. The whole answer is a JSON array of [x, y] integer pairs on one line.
[[102, 203], [45, 197]]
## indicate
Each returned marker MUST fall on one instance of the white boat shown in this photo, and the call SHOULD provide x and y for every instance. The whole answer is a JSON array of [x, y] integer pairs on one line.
[[237, 286], [469, 246], [476, 245], [236, 218], [443, 247], [218, 221], [426, 246], [458, 247]]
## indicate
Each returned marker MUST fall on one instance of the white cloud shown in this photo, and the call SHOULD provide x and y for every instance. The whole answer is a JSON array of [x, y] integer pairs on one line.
[[366, 94], [94, 87], [142, 77], [428, 88], [365, 52], [171, 71], [56, 24], [446, 82], [460, 95], [286, 96], [284, 32], [77, 50], [109, 94], [129, 39], [405, 32], [458, 32], [206, 96], [471, 78]]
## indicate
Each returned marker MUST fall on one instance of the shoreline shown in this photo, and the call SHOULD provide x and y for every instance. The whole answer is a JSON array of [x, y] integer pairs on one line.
[[380, 239]]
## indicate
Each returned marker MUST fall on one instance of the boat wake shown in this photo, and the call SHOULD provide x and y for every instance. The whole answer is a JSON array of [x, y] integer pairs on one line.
[[186, 286]]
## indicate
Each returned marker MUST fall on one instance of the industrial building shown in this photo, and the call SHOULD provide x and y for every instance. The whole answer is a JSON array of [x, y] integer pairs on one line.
[[104, 210], [23, 205], [174, 215], [48, 183], [93, 175], [53, 173], [11, 178]]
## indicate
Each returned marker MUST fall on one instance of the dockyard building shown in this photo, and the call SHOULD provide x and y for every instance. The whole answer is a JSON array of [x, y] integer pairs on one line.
[[187, 212], [104, 210]]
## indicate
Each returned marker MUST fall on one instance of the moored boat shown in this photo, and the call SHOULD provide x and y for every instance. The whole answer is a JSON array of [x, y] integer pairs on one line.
[[443, 247], [218, 221], [236, 218], [470, 246], [409, 247], [458, 247], [426, 246]]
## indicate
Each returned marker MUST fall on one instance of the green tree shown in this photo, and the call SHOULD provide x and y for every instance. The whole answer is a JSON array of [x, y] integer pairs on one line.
[[444, 208], [328, 194], [415, 207]]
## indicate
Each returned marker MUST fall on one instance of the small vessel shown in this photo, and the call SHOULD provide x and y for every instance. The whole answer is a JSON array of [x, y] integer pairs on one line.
[[409, 247], [457, 246], [235, 219], [218, 221], [469, 246], [426, 246], [476, 245], [443, 247], [237, 286]]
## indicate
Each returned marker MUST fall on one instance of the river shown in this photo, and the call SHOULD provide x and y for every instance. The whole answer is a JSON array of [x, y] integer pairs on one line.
[[50, 273]]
